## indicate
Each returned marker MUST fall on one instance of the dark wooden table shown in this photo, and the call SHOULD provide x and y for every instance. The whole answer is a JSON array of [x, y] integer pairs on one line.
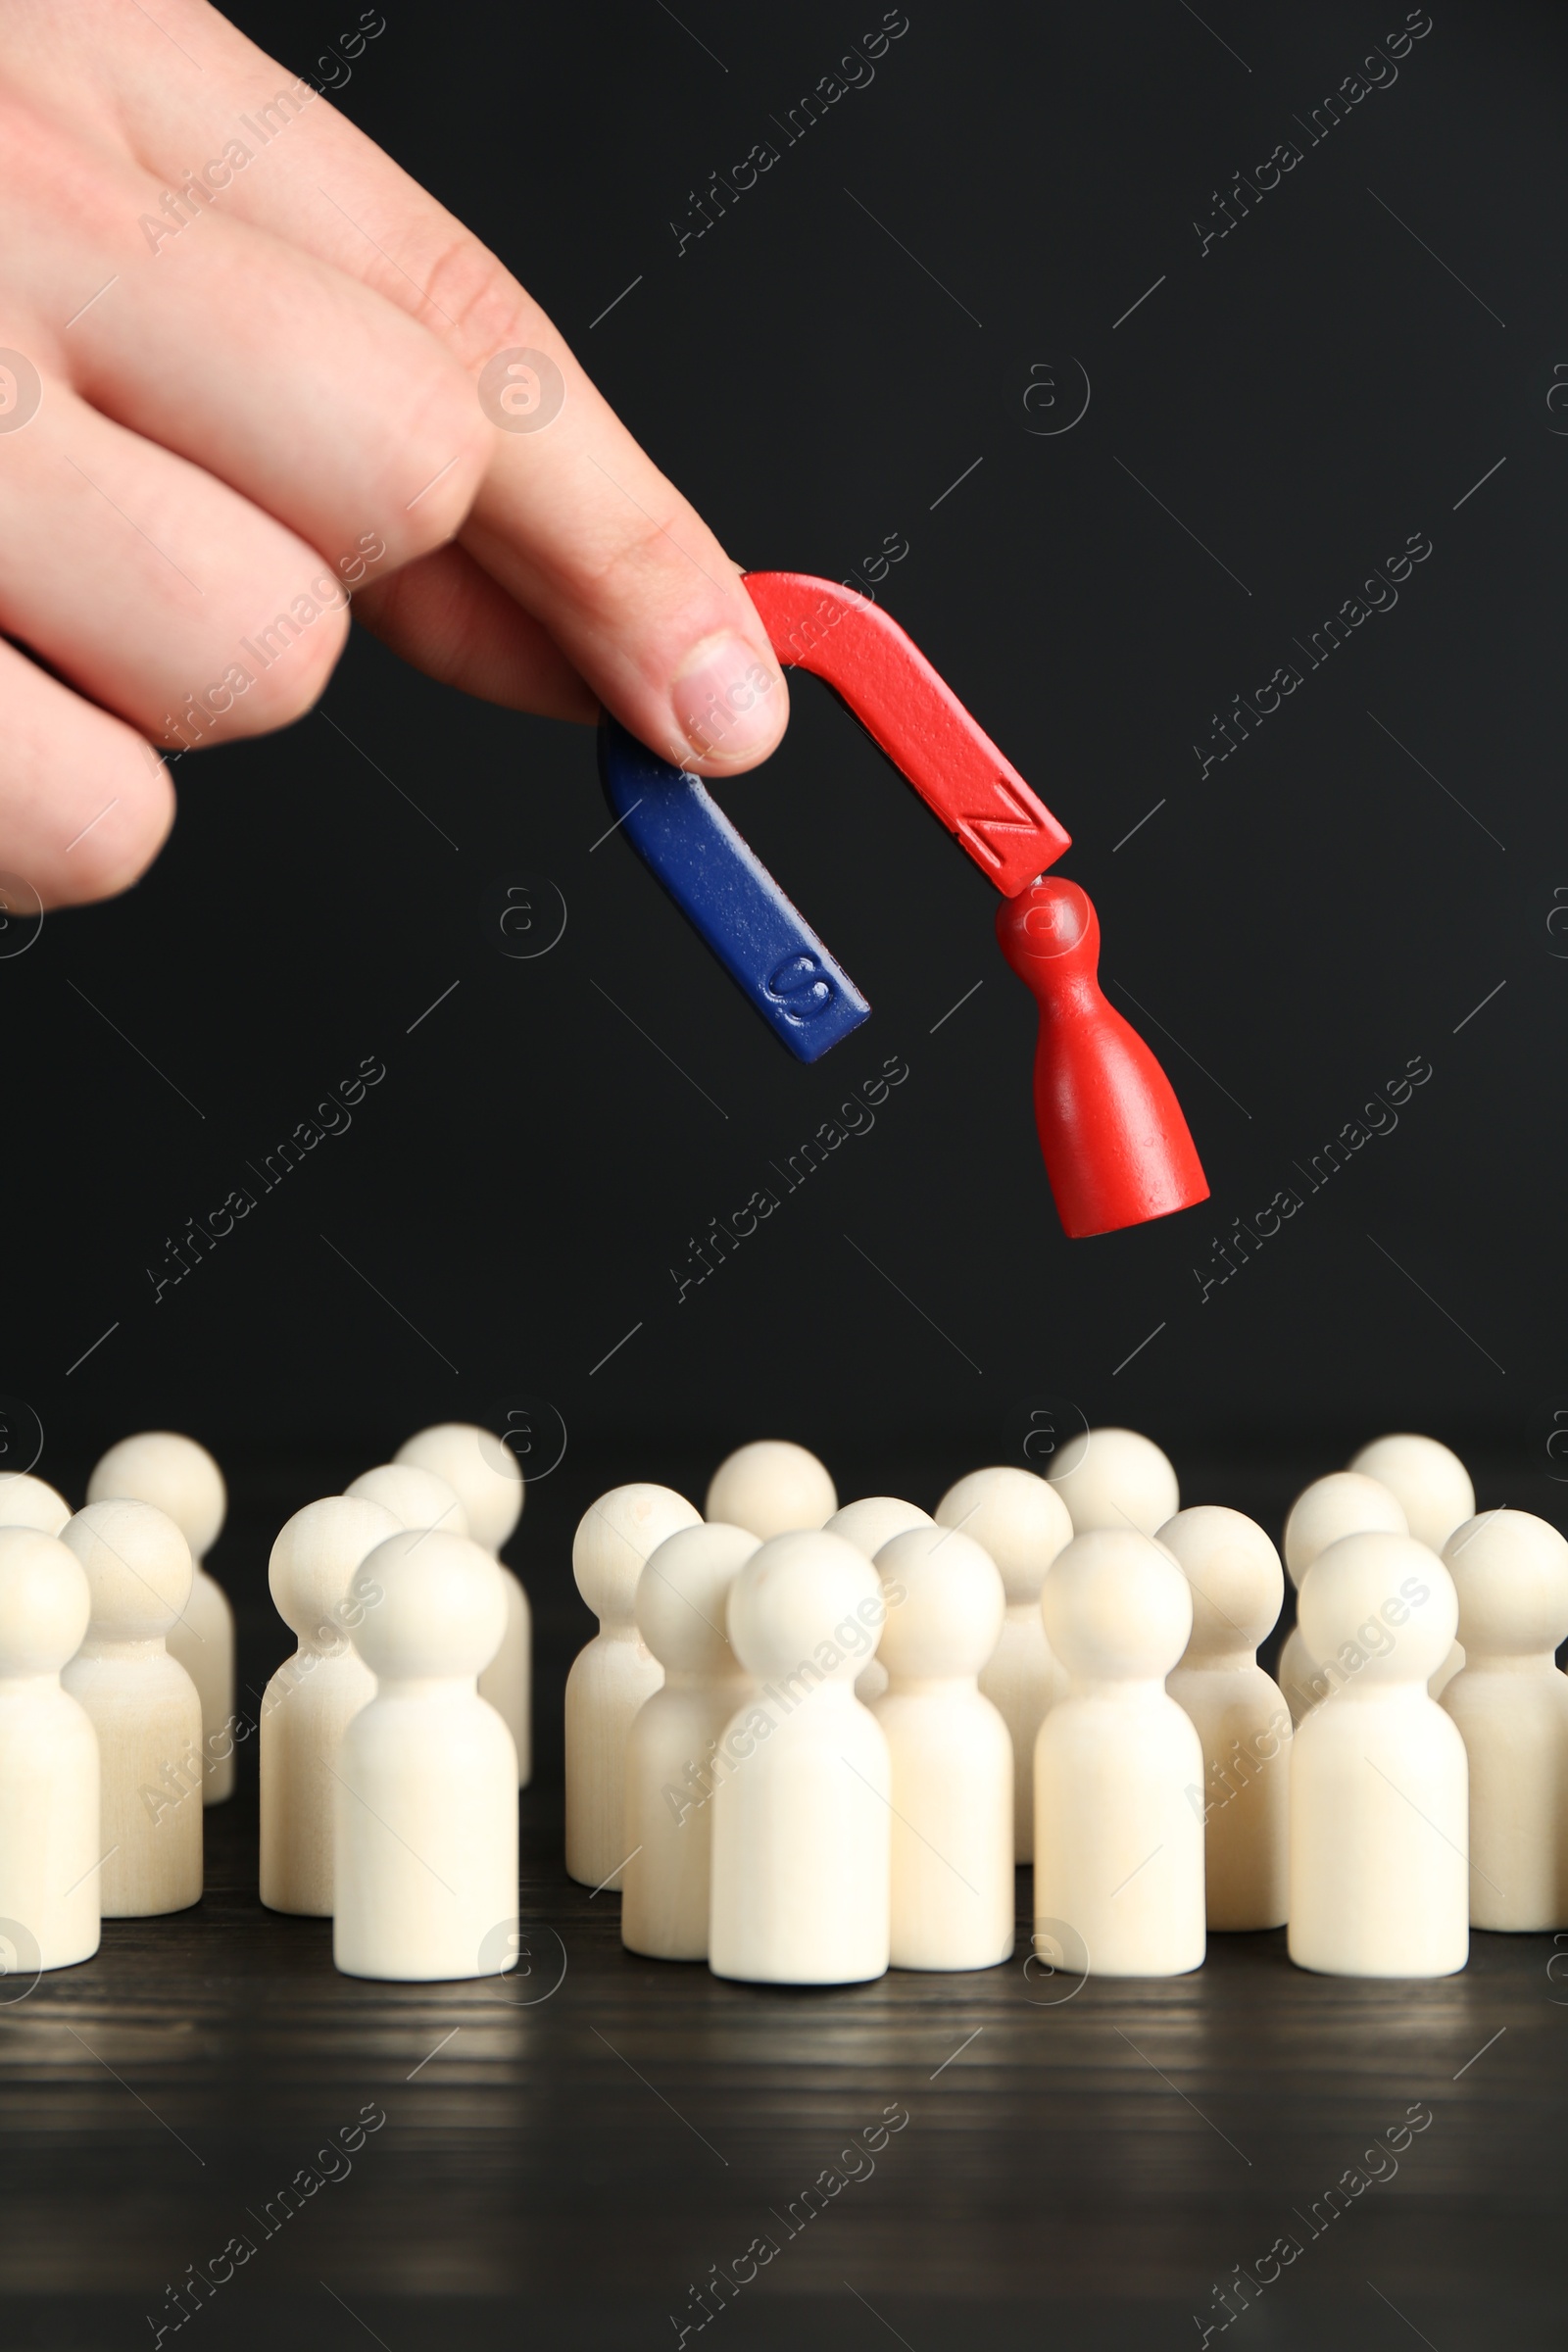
[[567, 2156]]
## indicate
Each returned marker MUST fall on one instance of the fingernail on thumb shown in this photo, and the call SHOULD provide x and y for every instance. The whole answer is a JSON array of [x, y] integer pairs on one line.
[[727, 701]]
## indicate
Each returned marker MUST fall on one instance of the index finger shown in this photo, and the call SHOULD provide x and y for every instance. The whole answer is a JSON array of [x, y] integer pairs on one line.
[[572, 518]]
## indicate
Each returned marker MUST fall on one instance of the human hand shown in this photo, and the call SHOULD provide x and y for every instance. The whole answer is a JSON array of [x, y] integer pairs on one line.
[[251, 368]]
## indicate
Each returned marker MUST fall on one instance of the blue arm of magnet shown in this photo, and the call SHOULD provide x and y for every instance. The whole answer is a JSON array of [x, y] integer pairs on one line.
[[727, 894]]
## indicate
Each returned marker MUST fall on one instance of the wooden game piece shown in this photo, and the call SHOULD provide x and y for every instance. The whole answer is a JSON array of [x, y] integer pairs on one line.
[[1240, 1713], [802, 1829], [1347, 1502], [1434, 1491], [771, 1488], [1022, 1522], [1116, 1148], [1510, 1572], [1379, 1785], [672, 1747], [1431, 1484], [868, 1524], [177, 1476], [28, 1502], [952, 1888], [1118, 1842], [143, 1705], [425, 1837], [484, 1475], [417, 1498], [615, 1673], [49, 1850], [311, 1699], [1115, 1478]]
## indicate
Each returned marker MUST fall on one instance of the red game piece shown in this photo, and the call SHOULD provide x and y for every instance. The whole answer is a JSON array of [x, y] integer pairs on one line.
[[1117, 1148], [911, 713]]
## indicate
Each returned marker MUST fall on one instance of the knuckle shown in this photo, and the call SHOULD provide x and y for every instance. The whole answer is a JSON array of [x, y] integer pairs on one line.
[[114, 856], [639, 565], [477, 305], [290, 660], [151, 824], [61, 178], [442, 445]]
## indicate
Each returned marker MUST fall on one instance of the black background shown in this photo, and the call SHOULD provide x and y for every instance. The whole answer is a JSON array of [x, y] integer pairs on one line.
[[1328, 904], [1317, 912]]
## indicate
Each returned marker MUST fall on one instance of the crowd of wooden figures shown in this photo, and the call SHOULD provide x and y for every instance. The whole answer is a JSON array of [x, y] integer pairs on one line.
[[808, 1742]]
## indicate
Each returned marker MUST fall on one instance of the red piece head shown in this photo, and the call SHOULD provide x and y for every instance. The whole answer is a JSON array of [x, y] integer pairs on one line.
[[1117, 1148]]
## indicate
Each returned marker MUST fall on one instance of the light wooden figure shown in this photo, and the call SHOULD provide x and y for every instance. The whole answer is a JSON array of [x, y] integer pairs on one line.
[[952, 1887], [314, 1695], [1510, 1570], [1023, 1522], [802, 1829], [1239, 1712], [417, 1498], [771, 1487], [143, 1705], [615, 1673], [674, 1753], [1118, 1845], [1432, 1484], [483, 1474], [177, 1476], [28, 1502], [49, 1850], [1436, 1495], [425, 1862], [868, 1524], [1115, 1478], [1379, 1785], [1347, 1502]]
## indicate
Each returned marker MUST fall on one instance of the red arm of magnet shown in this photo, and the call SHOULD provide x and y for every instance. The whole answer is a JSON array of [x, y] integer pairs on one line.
[[910, 712]]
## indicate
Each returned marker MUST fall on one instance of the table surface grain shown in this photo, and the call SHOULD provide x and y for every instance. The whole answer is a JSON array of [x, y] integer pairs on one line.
[[569, 2154]]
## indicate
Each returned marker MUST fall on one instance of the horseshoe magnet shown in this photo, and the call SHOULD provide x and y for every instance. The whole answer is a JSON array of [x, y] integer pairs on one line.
[[1116, 1147]]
